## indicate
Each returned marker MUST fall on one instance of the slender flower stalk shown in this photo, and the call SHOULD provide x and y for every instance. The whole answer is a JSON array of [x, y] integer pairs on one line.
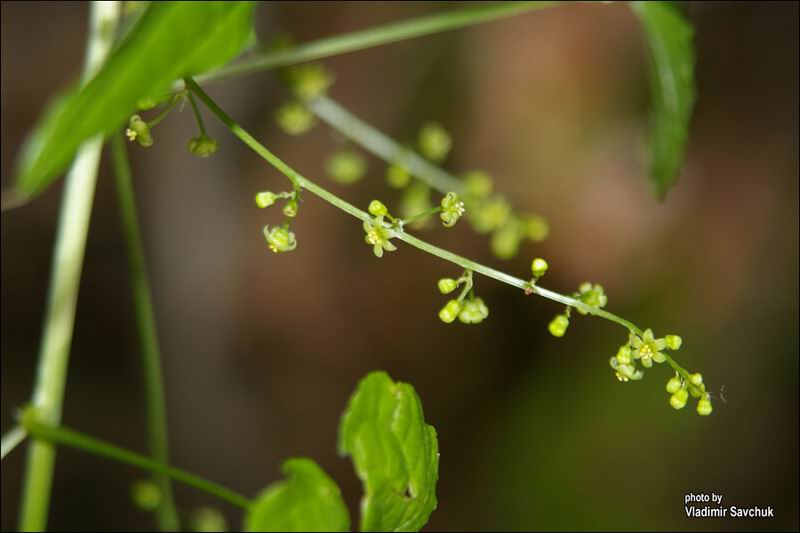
[[300, 181]]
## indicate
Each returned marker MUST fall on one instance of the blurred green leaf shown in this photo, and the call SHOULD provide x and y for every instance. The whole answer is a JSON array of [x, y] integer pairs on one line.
[[171, 40], [672, 57], [308, 500], [396, 454]]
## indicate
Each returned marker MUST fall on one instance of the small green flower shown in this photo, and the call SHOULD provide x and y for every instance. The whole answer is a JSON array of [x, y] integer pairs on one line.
[[434, 142], [397, 176], [452, 209], [506, 239], [447, 285], [450, 311], [146, 495], [624, 355], [673, 342], [265, 199], [625, 371], [490, 214], [378, 236], [346, 166], [591, 294], [478, 184], [678, 399], [294, 118], [291, 207], [647, 349], [674, 384], [139, 131], [558, 326], [535, 228], [202, 146], [539, 267], [309, 80], [704, 406], [474, 311], [377, 208], [280, 239]]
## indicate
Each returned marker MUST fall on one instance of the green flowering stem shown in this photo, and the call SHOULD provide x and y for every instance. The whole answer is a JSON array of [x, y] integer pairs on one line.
[[441, 253], [67, 437], [11, 440], [166, 514], [375, 36], [68, 253], [197, 116], [298, 182]]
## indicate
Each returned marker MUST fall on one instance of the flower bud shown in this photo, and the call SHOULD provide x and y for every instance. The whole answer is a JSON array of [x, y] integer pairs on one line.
[[265, 199], [696, 379], [202, 146], [146, 495], [294, 118], [678, 399], [450, 311], [434, 142], [538, 267], [535, 228], [624, 355], [346, 167], [397, 176], [673, 342], [505, 240], [674, 384], [704, 406], [478, 184], [290, 208], [447, 285], [377, 208], [558, 326]]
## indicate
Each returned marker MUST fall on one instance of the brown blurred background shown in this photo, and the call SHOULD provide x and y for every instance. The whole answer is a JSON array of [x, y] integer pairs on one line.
[[261, 351]]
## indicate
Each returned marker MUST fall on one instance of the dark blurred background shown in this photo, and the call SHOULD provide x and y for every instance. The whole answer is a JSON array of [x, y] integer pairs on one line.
[[261, 351]]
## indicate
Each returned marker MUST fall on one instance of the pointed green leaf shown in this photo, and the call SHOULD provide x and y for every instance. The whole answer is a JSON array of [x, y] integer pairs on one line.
[[308, 500], [170, 40], [395, 453], [672, 57]]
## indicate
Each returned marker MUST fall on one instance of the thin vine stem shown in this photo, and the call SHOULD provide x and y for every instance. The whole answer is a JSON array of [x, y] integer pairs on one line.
[[375, 36], [68, 253], [297, 179], [166, 514], [67, 437], [197, 116]]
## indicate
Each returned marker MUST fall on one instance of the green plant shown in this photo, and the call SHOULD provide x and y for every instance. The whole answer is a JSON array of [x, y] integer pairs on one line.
[[128, 73]]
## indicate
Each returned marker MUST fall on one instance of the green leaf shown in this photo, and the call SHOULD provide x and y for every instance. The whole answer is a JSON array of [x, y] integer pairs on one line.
[[395, 453], [171, 40], [672, 57], [308, 500]]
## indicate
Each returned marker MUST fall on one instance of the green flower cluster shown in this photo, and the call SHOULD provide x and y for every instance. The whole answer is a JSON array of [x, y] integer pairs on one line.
[[280, 238], [681, 388], [591, 294], [470, 310]]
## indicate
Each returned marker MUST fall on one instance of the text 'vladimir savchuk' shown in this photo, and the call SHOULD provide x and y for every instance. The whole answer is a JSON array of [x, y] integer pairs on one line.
[[711, 506]]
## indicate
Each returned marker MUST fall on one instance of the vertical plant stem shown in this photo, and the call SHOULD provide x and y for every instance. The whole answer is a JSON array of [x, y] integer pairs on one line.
[[70, 244], [166, 513]]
